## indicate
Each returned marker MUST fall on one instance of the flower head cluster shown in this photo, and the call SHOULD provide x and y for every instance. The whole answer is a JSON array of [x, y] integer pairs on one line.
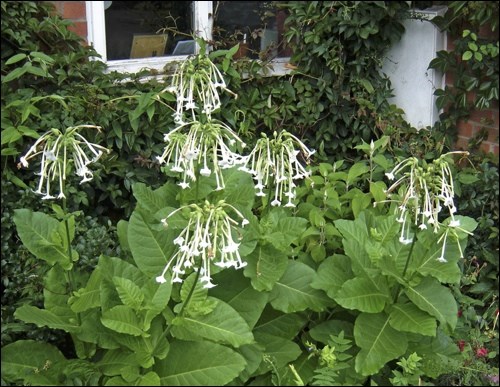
[[195, 84], [426, 190], [57, 150], [275, 161], [209, 237], [203, 146]]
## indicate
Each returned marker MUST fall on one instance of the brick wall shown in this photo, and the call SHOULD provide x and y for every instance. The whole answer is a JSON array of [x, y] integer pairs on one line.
[[76, 12], [478, 120]]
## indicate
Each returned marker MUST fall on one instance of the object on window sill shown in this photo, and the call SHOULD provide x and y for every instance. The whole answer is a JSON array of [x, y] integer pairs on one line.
[[146, 46]]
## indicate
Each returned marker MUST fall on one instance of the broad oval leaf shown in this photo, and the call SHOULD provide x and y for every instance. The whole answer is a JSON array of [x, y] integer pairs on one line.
[[194, 363], [122, 319], [266, 265], [293, 292], [222, 325], [362, 294], [435, 299], [39, 233], [409, 318], [44, 318], [130, 294], [379, 342], [22, 357]]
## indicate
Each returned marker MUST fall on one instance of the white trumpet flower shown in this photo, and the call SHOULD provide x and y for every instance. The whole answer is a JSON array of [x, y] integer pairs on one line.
[[196, 145], [58, 150], [275, 162], [426, 190], [208, 238]]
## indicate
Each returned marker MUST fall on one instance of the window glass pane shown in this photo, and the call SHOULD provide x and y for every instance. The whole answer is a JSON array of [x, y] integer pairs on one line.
[[256, 25], [142, 29]]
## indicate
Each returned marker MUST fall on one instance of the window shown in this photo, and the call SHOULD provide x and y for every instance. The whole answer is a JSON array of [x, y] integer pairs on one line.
[[133, 35]]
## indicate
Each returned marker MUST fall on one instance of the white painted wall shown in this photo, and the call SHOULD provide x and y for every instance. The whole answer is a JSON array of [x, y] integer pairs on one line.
[[406, 65]]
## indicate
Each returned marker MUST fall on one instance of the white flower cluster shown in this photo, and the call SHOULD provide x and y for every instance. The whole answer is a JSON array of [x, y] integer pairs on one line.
[[201, 143], [195, 85], [275, 161], [57, 150], [209, 235], [427, 190]]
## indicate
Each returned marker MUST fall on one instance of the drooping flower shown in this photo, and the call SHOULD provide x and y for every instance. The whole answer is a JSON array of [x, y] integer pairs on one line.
[[203, 147], [58, 151], [211, 237], [425, 190], [196, 85], [274, 163]]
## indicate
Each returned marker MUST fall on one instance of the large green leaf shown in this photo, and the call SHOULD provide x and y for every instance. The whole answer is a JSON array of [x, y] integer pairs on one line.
[[150, 248], [355, 235], [237, 291], [130, 294], [23, 357], [113, 362], [266, 265], [280, 350], [223, 325], [44, 318], [239, 190], [435, 299], [287, 230], [408, 318], [276, 323], [198, 363], [153, 201], [122, 319], [379, 342], [40, 234], [362, 294], [90, 296], [427, 264], [293, 292], [332, 273]]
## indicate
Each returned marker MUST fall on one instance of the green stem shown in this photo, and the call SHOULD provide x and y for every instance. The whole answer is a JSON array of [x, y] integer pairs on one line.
[[406, 266], [70, 250], [185, 304]]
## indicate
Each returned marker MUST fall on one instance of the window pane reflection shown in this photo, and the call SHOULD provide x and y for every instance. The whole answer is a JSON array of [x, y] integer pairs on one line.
[[142, 29], [256, 25]]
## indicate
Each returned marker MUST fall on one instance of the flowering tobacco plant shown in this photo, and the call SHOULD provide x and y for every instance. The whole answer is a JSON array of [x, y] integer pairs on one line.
[[203, 146], [427, 190], [58, 149], [195, 84], [208, 238], [275, 161]]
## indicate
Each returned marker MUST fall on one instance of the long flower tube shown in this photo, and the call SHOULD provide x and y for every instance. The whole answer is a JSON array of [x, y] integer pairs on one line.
[[275, 161], [58, 151], [196, 85], [208, 239], [425, 190], [201, 146]]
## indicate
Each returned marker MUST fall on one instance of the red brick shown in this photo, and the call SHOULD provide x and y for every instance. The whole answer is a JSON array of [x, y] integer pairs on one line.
[[493, 135], [74, 10], [462, 143], [464, 129], [80, 28], [482, 116]]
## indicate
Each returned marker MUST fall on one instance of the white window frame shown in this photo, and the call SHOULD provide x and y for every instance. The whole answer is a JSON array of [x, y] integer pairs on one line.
[[202, 25]]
